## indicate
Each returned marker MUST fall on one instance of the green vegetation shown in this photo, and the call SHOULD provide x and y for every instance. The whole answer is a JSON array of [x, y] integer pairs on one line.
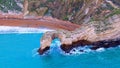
[[65, 18], [6, 5], [50, 0], [114, 12]]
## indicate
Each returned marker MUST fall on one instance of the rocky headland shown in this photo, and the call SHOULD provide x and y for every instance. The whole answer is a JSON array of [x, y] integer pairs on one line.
[[98, 34], [76, 22]]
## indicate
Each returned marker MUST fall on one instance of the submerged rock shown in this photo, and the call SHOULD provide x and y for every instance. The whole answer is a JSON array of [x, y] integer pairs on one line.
[[98, 35]]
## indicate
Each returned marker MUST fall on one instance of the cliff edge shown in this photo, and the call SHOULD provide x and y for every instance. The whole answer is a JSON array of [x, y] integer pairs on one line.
[[98, 34]]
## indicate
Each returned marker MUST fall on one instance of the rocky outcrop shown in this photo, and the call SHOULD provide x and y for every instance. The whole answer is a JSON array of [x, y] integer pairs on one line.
[[75, 11], [98, 34], [99, 20]]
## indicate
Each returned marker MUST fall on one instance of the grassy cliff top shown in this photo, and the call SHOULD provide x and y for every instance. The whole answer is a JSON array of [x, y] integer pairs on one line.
[[10, 5]]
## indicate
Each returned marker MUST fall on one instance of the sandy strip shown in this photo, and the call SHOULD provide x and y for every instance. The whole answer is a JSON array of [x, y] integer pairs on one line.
[[38, 23], [35, 22]]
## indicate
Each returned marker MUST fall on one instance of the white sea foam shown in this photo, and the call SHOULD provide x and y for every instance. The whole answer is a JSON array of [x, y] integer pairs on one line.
[[118, 45], [100, 49], [82, 50], [11, 29], [79, 50], [34, 52], [55, 43]]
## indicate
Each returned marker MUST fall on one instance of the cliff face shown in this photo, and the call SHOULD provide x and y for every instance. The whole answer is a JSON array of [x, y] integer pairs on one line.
[[76, 11], [98, 34], [99, 20]]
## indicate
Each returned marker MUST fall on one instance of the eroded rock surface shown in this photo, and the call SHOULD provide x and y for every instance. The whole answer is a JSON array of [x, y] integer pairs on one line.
[[98, 33], [75, 11]]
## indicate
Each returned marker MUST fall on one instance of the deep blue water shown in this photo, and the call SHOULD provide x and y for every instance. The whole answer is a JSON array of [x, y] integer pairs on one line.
[[19, 51]]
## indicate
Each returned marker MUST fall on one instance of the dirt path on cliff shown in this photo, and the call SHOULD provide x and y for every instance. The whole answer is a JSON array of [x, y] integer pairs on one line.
[[36, 22]]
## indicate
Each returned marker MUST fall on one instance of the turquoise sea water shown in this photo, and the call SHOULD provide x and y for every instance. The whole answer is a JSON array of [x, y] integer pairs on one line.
[[19, 51]]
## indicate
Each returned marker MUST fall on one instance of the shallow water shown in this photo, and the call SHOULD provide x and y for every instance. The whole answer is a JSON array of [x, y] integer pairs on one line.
[[19, 51]]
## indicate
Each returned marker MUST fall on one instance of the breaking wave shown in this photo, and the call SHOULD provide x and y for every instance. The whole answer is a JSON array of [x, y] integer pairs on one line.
[[83, 50], [34, 52], [11, 29]]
